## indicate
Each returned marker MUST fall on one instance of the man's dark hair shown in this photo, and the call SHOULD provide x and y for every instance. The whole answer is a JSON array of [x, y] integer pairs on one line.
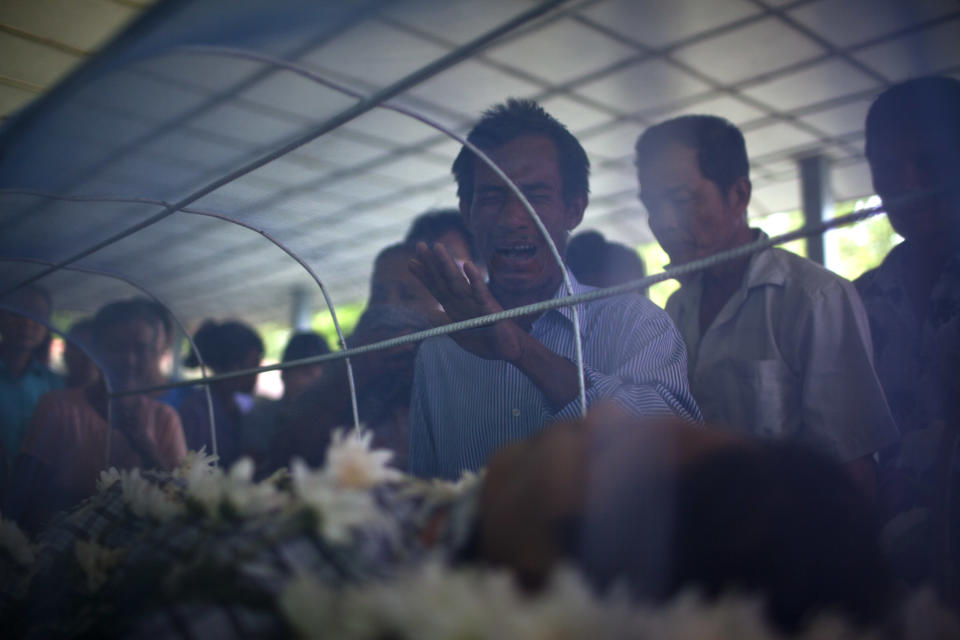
[[930, 104], [513, 119], [721, 150], [597, 262], [304, 345], [223, 345], [122, 312], [429, 227]]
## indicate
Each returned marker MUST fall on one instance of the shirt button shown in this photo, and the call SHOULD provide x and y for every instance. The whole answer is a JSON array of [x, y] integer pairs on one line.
[[516, 412]]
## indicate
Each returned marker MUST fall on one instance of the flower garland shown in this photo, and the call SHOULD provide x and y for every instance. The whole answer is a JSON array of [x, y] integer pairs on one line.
[[208, 535]]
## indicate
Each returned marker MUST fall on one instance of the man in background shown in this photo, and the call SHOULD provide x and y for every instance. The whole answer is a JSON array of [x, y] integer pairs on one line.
[[777, 345]]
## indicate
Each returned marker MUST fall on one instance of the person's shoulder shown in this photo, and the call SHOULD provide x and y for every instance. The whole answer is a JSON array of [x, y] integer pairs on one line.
[[805, 276], [631, 310], [435, 347], [160, 411]]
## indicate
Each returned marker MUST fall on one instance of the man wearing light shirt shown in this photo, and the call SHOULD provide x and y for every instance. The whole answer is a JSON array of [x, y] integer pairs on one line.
[[778, 346], [477, 390]]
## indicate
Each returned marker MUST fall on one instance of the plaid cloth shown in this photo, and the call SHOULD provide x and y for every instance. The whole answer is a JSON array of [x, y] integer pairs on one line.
[[197, 577]]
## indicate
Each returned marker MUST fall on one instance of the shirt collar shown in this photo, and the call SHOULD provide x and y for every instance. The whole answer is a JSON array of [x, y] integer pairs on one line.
[[578, 288], [764, 267]]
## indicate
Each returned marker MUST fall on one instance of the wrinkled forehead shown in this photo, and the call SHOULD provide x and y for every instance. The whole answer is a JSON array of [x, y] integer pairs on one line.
[[668, 167], [525, 159]]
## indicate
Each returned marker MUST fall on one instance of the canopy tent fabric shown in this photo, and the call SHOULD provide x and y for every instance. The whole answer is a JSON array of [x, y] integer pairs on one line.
[[191, 92]]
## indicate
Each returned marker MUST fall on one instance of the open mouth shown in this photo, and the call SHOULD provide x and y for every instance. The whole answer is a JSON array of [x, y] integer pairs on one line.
[[518, 252]]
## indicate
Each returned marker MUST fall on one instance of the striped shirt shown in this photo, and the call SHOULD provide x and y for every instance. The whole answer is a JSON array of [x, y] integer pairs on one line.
[[464, 407]]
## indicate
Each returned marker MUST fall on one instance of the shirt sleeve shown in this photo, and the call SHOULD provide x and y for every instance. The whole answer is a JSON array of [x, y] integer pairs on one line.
[[648, 373], [422, 454], [844, 408]]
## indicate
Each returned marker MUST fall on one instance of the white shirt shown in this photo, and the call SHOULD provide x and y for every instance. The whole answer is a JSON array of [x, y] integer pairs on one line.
[[788, 356]]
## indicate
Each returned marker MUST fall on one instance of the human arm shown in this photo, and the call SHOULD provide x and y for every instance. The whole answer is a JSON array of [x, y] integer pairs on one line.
[[464, 295], [640, 362]]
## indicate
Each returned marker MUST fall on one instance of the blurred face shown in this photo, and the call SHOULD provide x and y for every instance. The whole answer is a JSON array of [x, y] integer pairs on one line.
[[904, 164], [298, 380], [394, 285], [128, 350], [689, 215], [20, 331], [516, 254], [245, 384]]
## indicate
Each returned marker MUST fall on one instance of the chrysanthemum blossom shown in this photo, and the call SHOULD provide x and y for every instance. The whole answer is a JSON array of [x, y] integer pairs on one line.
[[339, 510], [107, 479], [196, 462], [147, 500], [351, 462]]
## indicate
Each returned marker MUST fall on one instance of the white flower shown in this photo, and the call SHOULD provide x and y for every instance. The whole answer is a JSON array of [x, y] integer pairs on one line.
[[689, 617], [146, 499], [16, 543], [339, 510], [196, 462], [107, 479], [247, 497], [352, 463], [451, 490], [212, 489], [96, 562]]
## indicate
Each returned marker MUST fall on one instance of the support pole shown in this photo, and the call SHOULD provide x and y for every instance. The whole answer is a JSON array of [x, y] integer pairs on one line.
[[300, 309], [817, 198]]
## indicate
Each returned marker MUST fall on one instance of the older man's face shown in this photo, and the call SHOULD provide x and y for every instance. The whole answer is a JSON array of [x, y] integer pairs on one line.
[[688, 214], [516, 253]]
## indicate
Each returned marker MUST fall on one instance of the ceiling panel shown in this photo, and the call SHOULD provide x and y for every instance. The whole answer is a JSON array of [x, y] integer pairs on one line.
[[643, 86], [839, 120], [656, 23], [814, 84], [162, 123], [927, 51], [561, 51], [758, 48], [849, 22], [375, 53]]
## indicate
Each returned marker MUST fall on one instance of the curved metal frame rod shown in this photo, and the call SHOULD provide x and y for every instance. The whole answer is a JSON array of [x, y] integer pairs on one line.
[[319, 79], [87, 352], [358, 109], [222, 216], [176, 319]]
